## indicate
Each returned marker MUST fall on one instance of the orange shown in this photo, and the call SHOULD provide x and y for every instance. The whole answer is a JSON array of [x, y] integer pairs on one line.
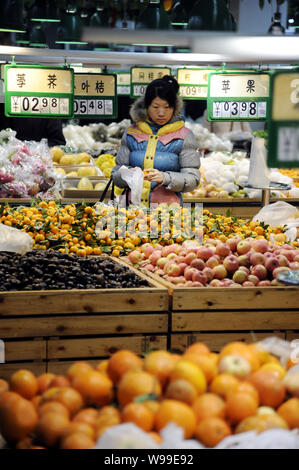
[[121, 362], [95, 387], [197, 348], [50, 428], [223, 384], [135, 383], [102, 366], [24, 382], [36, 401], [260, 423], [247, 387], [240, 405], [155, 436], [107, 416], [207, 405], [173, 411], [271, 389], [77, 440], [211, 431], [275, 368], [264, 356], [242, 349], [4, 386], [77, 368], [60, 381], [206, 362], [43, 381], [86, 415], [159, 363], [181, 390], [79, 427], [138, 414], [189, 371], [68, 396], [152, 405], [54, 406], [18, 416], [289, 411]]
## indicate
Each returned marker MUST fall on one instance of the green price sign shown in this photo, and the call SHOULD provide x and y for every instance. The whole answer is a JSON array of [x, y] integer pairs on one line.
[[123, 83], [283, 123], [193, 83], [95, 96], [242, 96], [142, 76], [38, 91]]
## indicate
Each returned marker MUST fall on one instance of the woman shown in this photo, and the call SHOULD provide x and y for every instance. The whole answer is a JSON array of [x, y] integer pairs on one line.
[[160, 144]]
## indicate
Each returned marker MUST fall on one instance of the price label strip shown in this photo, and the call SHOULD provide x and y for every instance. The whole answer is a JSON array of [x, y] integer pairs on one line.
[[95, 96], [142, 76], [38, 91], [238, 96], [193, 83], [283, 122], [123, 83]]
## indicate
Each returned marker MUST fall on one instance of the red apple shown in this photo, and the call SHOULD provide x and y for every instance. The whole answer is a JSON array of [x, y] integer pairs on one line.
[[260, 271], [135, 256], [244, 260], [271, 263], [243, 268], [233, 242], [294, 265], [189, 257], [197, 284], [155, 256], [162, 261], [199, 276], [240, 276], [231, 263], [198, 263], [261, 245], [182, 267], [283, 260], [189, 272], [257, 258], [209, 273], [254, 279], [265, 283], [213, 261], [149, 267], [235, 365], [172, 269], [243, 247], [220, 271], [215, 283], [223, 249], [248, 284], [147, 249], [205, 252]]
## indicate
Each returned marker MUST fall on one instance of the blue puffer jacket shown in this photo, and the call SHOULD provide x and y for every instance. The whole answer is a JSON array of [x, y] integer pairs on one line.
[[171, 149]]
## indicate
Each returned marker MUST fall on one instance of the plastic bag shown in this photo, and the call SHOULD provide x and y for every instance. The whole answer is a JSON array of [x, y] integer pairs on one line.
[[13, 239], [258, 171], [277, 213], [134, 178]]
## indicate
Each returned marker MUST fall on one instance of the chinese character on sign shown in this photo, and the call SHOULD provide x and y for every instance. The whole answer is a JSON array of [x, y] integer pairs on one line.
[[51, 81], [225, 85], [100, 86], [85, 86], [141, 75], [160, 75], [250, 86], [187, 77], [151, 76], [21, 80]]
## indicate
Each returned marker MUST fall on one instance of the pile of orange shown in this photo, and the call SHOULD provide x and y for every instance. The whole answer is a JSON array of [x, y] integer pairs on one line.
[[73, 410]]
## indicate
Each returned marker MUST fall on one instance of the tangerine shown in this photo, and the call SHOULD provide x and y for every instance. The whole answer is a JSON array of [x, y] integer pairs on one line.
[[223, 384], [206, 362], [87, 415], [77, 368], [289, 411], [54, 406], [68, 396], [207, 405], [240, 405], [187, 370], [95, 387], [18, 416], [241, 349], [121, 362], [43, 381], [138, 414], [210, 431], [275, 368], [24, 383], [4, 386], [50, 428], [135, 383], [155, 436], [79, 427], [271, 389], [159, 363], [77, 440], [181, 390], [260, 423], [60, 381], [197, 348], [177, 412], [247, 387]]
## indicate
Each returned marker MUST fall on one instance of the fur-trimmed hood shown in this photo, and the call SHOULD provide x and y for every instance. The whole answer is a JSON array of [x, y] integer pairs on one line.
[[138, 111]]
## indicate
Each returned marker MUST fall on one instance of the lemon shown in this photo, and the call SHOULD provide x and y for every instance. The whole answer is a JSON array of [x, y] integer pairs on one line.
[[86, 171], [60, 171], [56, 153], [85, 184], [72, 174], [67, 159]]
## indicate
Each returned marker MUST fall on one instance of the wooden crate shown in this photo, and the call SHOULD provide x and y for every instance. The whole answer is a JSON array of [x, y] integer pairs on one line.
[[46, 327]]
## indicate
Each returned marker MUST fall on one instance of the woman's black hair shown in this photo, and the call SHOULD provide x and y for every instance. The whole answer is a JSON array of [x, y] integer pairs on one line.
[[165, 88]]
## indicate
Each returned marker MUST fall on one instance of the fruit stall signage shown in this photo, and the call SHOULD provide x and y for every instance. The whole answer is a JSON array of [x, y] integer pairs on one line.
[[193, 83], [142, 76], [123, 83], [283, 123], [95, 95], [238, 96], [38, 91]]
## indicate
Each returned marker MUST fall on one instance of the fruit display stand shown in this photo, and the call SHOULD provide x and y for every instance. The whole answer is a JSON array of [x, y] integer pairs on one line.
[[46, 330]]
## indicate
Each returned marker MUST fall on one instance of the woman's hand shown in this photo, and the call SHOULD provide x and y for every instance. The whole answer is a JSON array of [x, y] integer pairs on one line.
[[154, 176]]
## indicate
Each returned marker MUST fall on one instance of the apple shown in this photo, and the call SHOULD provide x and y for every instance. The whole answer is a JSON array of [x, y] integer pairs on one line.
[[234, 364], [233, 242], [147, 249], [243, 247], [162, 261], [240, 276], [215, 283], [271, 263], [213, 261], [189, 257], [231, 263], [265, 283], [198, 263], [244, 260], [177, 280], [222, 249], [149, 267], [254, 279], [265, 410], [248, 284], [260, 271], [283, 260], [291, 382], [135, 256], [296, 258], [261, 245], [199, 276], [294, 265], [220, 271], [205, 252], [182, 267], [209, 273], [159, 272], [172, 269], [154, 257], [197, 284], [189, 272], [257, 258], [243, 268]]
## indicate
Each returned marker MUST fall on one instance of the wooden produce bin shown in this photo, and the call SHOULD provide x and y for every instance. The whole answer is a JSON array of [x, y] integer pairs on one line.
[[219, 315], [48, 330]]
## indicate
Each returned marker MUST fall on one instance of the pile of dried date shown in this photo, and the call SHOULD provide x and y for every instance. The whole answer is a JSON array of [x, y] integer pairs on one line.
[[48, 270]]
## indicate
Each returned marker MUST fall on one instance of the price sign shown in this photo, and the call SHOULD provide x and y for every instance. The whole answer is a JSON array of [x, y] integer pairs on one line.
[[283, 123], [95, 95], [238, 96], [193, 83], [38, 91], [142, 76], [123, 83]]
